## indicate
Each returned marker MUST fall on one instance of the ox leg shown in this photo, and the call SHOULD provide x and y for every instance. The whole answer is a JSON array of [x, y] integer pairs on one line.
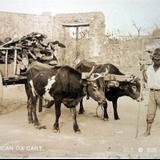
[[81, 108], [29, 103], [106, 117], [34, 103], [29, 108], [75, 124], [40, 104], [116, 116], [58, 114]]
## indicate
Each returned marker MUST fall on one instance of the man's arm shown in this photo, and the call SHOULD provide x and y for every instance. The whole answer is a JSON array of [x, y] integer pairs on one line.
[[144, 73]]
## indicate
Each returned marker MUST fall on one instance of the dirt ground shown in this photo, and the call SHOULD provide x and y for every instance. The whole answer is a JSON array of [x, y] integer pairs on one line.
[[98, 138]]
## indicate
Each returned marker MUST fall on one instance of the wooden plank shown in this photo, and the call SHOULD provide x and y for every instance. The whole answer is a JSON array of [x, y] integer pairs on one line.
[[9, 70], [76, 25], [14, 80], [9, 48], [15, 62], [119, 78], [6, 64], [1, 89]]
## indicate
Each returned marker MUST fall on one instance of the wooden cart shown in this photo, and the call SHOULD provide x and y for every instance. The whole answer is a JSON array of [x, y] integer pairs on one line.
[[8, 71]]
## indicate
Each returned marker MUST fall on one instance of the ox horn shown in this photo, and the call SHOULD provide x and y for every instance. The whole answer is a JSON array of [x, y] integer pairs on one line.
[[131, 78], [90, 73], [106, 72], [99, 75]]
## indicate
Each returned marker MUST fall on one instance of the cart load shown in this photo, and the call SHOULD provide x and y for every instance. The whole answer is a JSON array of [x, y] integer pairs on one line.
[[17, 54]]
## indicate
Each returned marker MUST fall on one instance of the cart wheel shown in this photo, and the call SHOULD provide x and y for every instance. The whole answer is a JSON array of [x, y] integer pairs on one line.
[[1, 89]]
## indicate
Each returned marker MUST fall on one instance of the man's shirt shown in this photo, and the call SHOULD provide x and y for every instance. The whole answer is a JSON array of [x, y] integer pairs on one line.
[[153, 78]]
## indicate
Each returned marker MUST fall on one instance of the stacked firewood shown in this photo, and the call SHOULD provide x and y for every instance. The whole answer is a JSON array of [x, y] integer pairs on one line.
[[31, 46]]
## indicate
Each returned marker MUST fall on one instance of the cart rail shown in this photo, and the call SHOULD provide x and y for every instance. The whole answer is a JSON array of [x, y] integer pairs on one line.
[[8, 71], [14, 80]]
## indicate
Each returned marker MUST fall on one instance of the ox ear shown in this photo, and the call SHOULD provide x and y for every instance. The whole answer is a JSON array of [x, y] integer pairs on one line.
[[84, 82], [132, 78], [135, 79]]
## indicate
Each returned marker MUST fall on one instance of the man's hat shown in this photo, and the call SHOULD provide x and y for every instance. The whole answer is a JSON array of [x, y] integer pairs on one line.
[[156, 54]]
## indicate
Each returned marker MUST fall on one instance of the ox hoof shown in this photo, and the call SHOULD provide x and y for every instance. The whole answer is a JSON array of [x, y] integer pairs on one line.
[[106, 119], [146, 134], [56, 130], [30, 122], [77, 131], [36, 123], [81, 112], [117, 118]]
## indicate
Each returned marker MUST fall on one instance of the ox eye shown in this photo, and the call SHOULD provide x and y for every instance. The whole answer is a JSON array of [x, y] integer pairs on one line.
[[95, 86], [134, 88]]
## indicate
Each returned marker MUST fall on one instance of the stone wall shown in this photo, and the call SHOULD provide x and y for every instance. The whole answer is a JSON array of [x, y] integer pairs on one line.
[[88, 48], [18, 25], [127, 53]]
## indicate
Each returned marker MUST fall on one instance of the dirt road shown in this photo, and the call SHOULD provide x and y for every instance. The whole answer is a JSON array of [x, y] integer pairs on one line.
[[98, 138]]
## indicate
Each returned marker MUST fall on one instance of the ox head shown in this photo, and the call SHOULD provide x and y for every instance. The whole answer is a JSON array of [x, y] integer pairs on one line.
[[96, 86], [132, 88]]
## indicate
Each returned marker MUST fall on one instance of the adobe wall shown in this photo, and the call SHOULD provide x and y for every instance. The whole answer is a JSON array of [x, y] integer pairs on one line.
[[15, 24]]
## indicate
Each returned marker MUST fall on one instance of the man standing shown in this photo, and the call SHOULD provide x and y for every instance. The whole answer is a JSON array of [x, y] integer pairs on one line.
[[152, 78]]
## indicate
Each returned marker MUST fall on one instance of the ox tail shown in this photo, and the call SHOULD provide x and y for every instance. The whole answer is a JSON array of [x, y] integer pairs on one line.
[[40, 104]]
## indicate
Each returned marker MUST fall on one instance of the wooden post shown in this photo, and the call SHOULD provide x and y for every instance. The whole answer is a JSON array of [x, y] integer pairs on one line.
[[6, 64], [15, 62], [62, 58], [76, 25], [77, 30], [1, 90]]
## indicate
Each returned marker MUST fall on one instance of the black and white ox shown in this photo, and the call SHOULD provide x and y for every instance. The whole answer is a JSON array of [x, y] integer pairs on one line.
[[130, 88], [61, 85]]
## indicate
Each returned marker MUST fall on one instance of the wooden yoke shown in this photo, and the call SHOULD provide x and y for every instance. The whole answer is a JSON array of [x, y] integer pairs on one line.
[[119, 78]]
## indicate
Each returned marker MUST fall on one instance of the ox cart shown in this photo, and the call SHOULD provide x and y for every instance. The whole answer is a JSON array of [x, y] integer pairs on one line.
[[9, 69]]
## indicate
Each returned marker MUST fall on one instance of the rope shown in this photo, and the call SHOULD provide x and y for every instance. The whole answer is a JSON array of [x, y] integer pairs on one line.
[[138, 119], [103, 88], [139, 107], [97, 110]]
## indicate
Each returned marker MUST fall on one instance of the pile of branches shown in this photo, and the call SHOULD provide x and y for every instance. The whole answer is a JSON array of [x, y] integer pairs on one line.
[[31, 45]]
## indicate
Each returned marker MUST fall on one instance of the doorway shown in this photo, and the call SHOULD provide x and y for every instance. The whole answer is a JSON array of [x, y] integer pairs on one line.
[[74, 35]]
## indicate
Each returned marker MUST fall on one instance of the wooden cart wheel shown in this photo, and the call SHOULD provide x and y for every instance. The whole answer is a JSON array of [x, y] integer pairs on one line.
[[1, 89]]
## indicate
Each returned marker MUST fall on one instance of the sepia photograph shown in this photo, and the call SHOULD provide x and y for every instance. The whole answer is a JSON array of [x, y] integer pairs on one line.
[[79, 79]]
